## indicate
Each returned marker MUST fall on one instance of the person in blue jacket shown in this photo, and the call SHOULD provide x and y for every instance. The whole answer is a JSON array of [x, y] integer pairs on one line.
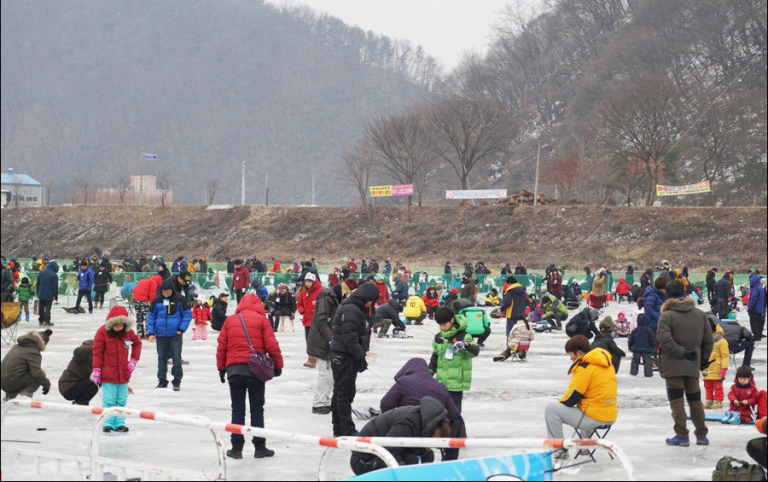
[[654, 297], [756, 306], [167, 320], [400, 293], [84, 286], [47, 291]]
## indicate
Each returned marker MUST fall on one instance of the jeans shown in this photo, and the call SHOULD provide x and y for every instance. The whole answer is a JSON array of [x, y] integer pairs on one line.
[[747, 346], [87, 294], [239, 385], [556, 415], [45, 311], [169, 346], [114, 395], [344, 369], [82, 393]]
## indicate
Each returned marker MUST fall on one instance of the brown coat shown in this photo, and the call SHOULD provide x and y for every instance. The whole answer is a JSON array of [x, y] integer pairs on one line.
[[598, 285], [79, 368], [21, 367], [683, 328]]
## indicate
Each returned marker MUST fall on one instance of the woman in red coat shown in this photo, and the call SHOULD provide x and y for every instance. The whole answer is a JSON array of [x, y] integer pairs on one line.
[[116, 351], [232, 357], [432, 301]]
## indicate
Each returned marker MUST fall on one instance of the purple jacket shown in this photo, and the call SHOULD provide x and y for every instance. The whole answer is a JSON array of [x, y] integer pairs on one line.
[[412, 383]]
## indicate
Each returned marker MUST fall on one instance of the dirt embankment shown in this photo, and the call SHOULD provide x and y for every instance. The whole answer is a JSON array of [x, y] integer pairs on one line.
[[577, 235]]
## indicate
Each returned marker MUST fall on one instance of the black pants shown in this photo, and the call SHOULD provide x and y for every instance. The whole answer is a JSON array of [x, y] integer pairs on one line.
[[239, 295], [344, 368], [44, 311], [87, 294], [756, 322], [458, 430], [274, 317], [758, 450], [483, 336], [723, 308], [711, 295], [556, 320], [647, 367], [363, 463], [82, 393], [99, 297], [239, 385]]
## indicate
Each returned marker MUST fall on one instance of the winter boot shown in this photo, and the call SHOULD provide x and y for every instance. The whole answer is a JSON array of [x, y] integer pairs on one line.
[[236, 452], [726, 416], [26, 318], [708, 403], [717, 404], [282, 324], [311, 362], [680, 442], [735, 419], [499, 358], [262, 451]]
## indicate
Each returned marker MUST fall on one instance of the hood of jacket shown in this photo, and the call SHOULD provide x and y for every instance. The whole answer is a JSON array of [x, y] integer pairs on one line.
[[754, 281], [111, 322], [53, 266], [250, 302], [642, 319], [394, 304], [719, 334], [432, 413], [363, 294], [622, 314], [682, 305], [412, 367], [595, 356], [33, 339]]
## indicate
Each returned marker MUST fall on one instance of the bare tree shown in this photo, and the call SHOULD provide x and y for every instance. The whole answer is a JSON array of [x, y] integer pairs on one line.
[[644, 120], [356, 169], [211, 186], [468, 132], [83, 185], [164, 184], [402, 147], [122, 185], [48, 189], [17, 191]]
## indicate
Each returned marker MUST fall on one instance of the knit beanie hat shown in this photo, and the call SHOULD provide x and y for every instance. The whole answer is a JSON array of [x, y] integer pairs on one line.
[[443, 315], [310, 277], [118, 314], [46, 335]]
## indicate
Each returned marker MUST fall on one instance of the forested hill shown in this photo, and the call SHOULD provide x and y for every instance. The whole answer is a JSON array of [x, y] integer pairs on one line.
[[203, 84]]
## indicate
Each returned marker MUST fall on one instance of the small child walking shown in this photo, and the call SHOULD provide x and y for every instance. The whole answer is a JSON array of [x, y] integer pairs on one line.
[[116, 351], [743, 397], [26, 293], [201, 313], [642, 343], [718, 367]]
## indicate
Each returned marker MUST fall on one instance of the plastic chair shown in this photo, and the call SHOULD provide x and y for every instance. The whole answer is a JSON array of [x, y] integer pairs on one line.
[[600, 432], [11, 310], [521, 352]]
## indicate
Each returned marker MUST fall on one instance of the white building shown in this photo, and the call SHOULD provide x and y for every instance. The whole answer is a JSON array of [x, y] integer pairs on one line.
[[20, 190], [130, 193]]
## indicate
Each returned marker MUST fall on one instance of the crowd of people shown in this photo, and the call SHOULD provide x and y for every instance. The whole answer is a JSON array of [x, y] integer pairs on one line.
[[667, 333]]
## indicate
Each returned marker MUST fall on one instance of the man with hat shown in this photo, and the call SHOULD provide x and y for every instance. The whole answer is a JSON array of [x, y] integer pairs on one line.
[[241, 279], [686, 342]]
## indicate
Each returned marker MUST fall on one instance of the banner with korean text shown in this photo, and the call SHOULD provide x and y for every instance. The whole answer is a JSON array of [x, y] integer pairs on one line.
[[476, 194], [697, 188], [391, 190]]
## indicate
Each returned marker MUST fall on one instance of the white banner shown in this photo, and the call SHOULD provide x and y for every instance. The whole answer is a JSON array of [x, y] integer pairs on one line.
[[476, 194]]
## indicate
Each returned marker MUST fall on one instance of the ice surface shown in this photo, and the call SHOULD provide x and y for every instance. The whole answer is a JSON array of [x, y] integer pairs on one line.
[[507, 400]]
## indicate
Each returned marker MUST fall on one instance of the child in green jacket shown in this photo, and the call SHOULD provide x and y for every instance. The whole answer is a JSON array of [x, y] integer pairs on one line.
[[25, 293], [453, 351]]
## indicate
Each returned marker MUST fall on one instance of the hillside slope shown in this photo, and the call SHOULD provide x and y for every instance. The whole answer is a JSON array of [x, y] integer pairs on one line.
[[577, 235]]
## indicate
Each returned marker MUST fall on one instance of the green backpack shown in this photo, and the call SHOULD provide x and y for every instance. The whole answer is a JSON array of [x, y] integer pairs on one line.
[[729, 468]]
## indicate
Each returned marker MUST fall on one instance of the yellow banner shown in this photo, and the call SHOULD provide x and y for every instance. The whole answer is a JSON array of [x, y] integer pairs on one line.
[[380, 191], [699, 187]]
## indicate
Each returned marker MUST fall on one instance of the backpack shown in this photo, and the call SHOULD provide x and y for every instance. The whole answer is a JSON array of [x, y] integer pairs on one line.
[[728, 468]]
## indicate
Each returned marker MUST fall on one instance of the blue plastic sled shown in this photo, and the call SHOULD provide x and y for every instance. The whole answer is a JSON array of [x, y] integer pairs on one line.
[[531, 466], [718, 417]]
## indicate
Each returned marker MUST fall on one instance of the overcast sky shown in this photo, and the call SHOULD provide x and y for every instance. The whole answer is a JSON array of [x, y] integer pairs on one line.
[[445, 28]]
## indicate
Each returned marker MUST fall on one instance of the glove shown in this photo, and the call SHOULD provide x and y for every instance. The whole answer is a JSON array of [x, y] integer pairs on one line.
[[278, 372], [723, 371], [439, 339], [362, 366], [690, 355], [459, 346], [132, 365], [223, 376], [96, 376], [46, 390]]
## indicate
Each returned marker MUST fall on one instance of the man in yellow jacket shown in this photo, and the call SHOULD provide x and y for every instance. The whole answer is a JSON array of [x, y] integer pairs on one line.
[[415, 310], [590, 400]]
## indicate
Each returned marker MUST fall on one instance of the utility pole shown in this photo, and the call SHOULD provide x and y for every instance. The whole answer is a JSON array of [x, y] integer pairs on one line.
[[242, 185], [266, 181], [141, 179], [536, 182], [313, 187]]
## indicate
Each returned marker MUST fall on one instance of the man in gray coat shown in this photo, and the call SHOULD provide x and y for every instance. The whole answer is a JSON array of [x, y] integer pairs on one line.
[[686, 343]]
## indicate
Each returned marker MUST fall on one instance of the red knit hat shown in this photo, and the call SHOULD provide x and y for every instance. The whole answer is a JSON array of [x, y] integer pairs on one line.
[[118, 314]]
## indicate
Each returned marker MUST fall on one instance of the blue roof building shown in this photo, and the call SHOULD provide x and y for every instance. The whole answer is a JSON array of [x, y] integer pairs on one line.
[[20, 190]]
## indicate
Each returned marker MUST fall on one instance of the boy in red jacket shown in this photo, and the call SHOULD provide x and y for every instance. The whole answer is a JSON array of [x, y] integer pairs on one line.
[[743, 397], [116, 351]]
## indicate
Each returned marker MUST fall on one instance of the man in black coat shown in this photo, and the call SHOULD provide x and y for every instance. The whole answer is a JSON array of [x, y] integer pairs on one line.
[[422, 421], [723, 295], [219, 311], [583, 323], [711, 282], [388, 314], [348, 348]]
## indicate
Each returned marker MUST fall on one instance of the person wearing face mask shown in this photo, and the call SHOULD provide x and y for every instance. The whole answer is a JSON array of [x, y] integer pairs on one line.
[[606, 341]]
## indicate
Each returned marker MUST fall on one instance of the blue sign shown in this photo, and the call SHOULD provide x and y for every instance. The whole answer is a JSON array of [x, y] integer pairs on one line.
[[150, 157]]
